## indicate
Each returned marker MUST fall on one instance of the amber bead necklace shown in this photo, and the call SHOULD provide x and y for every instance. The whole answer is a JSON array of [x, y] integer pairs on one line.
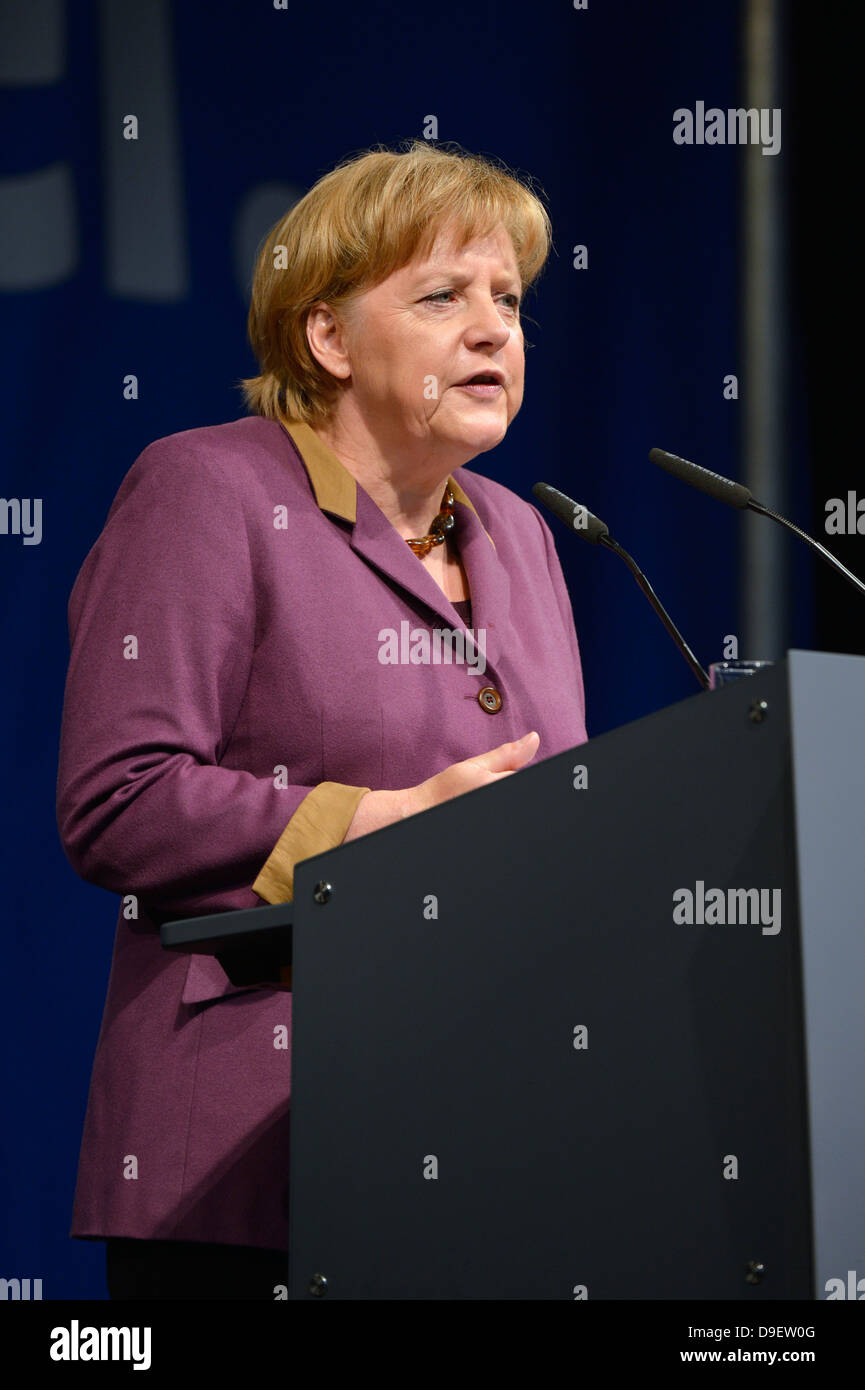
[[439, 530]]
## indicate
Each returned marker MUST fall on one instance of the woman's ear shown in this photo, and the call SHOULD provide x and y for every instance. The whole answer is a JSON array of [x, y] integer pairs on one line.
[[327, 338]]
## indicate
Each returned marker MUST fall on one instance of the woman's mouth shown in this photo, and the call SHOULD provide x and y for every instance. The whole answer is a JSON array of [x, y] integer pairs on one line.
[[481, 386]]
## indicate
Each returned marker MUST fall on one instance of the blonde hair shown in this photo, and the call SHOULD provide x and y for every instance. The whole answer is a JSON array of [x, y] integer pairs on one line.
[[369, 216]]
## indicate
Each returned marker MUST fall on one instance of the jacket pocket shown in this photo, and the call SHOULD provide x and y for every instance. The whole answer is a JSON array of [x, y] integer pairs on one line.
[[206, 980]]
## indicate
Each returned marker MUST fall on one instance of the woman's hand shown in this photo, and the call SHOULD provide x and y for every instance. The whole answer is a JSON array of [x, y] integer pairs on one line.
[[377, 809]]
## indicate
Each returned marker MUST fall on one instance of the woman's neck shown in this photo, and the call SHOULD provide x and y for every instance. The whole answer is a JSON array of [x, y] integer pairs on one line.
[[409, 496]]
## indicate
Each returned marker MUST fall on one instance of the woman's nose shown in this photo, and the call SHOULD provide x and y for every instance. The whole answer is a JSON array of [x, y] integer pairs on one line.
[[487, 324]]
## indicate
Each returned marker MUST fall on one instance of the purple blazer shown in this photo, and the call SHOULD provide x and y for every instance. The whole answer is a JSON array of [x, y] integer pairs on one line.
[[225, 672]]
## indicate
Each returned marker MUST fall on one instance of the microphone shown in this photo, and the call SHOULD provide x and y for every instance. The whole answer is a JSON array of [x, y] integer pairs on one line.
[[579, 519], [736, 495]]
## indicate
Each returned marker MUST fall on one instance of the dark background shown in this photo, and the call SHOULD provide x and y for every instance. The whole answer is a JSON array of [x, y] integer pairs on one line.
[[627, 354]]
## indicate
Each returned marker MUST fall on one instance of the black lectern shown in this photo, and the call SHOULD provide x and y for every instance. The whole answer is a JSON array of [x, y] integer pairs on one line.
[[595, 1031]]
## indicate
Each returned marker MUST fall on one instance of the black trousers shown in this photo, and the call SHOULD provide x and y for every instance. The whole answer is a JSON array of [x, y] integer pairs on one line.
[[181, 1269]]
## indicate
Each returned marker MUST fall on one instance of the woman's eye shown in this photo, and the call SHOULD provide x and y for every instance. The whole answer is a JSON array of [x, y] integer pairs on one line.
[[513, 298]]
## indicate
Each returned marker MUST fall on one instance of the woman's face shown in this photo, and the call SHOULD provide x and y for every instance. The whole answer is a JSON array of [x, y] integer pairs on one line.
[[407, 344]]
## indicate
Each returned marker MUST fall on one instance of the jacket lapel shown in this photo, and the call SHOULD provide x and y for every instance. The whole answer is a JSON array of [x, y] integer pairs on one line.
[[374, 538]]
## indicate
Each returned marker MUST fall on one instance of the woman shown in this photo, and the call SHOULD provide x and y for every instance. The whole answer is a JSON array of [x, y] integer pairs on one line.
[[251, 679]]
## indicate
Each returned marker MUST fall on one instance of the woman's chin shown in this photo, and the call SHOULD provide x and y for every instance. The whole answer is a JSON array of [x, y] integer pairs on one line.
[[480, 437]]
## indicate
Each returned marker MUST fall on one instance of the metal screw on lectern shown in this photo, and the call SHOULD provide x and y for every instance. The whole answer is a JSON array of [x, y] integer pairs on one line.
[[322, 892], [754, 1271], [758, 711], [317, 1286]]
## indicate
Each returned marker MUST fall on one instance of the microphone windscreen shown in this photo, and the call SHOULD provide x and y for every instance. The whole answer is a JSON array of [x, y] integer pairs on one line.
[[734, 494], [575, 516]]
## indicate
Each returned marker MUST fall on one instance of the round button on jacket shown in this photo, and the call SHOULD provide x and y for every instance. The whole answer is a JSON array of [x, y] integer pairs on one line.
[[490, 699]]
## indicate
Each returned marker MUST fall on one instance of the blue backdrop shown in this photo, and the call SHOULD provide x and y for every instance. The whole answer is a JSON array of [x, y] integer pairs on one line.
[[133, 258]]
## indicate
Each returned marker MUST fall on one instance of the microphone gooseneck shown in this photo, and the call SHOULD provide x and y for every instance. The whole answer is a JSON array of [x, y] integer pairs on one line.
[[579, 519], [737, 495]]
